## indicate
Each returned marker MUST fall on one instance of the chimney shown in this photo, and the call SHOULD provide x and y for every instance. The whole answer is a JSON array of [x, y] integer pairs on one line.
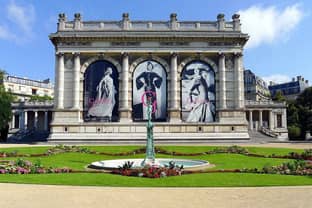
[[293, 79], [298, 78]]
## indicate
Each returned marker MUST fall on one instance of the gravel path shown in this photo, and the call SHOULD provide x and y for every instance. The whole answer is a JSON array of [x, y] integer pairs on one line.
[[38, 196]]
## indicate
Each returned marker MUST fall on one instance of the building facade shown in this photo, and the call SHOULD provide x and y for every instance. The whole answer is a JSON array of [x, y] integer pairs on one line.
[[106, 71], [23, 88], [29, 115], [255, 88], [290, 90]]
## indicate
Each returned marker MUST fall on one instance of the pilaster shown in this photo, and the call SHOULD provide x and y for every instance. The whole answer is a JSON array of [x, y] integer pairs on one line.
[[76, 86], [60, 81], [125, 114]]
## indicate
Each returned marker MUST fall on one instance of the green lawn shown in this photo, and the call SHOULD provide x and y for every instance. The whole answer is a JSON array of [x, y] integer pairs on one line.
[[78, 161]]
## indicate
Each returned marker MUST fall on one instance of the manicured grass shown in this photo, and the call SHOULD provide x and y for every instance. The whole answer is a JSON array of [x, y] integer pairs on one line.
[[194, 180], [78, 161]]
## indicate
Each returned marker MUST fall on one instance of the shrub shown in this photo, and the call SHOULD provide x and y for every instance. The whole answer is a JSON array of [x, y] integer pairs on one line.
[[294, 132]]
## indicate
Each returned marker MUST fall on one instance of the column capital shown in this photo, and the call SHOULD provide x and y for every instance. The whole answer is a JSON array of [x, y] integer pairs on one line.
[[59, 54], [76, 54], [124, 54], [238, 54], [221, 54], [174, 54]]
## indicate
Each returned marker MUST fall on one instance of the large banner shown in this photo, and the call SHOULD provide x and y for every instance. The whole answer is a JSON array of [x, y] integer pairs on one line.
[[149, 83], [101, 92], [198, 93]]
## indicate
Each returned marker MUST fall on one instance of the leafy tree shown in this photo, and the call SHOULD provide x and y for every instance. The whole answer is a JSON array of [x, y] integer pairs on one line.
[[40, 98], [279, 97], [292, 113], [305, 98], [5, 106]]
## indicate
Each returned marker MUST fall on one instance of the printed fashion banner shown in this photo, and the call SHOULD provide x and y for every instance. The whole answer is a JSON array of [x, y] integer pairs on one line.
[[198, 93], [149, 83], [101, 92]]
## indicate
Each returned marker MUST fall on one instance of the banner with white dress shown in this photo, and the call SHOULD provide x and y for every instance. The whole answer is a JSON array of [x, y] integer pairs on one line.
[[198, 93], [101, 92]]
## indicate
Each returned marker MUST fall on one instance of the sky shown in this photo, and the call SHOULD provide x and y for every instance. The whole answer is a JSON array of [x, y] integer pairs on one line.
[[278, 49]]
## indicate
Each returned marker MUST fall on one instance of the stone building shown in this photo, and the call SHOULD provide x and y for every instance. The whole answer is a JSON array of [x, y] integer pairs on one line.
[[290, 90], [191, 71], [255, 87], [23, 88], [29, 115]]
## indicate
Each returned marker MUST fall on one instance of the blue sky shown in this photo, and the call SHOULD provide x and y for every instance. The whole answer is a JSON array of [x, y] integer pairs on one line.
[[280, 30]]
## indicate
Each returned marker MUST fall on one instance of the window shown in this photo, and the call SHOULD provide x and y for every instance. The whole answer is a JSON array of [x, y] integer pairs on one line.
[[33, 91], [279, 121]]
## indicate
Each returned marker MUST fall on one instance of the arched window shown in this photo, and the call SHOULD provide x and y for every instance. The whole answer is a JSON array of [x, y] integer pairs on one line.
[[149, 82], [101, 92], [198, 93]]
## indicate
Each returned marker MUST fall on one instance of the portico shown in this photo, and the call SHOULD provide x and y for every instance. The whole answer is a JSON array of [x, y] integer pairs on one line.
[[31, 116], [268, 117]]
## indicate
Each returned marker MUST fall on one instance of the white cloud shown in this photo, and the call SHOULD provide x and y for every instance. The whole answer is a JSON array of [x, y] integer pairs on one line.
[[269, 24], [22, 16], [20, 20], [4, 33], [277, 78]]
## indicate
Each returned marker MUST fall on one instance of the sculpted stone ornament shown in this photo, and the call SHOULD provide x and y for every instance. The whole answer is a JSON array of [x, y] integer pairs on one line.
[[150, 150]]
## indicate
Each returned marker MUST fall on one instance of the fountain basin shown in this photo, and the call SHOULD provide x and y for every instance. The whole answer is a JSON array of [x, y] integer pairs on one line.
[[115, 164]]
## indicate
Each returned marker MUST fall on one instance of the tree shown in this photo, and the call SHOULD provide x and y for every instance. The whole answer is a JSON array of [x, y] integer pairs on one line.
[[40, 98], [5, 106], [279, 97]]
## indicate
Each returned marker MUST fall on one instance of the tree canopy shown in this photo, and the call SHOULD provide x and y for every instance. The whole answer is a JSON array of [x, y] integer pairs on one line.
[[5, 103]]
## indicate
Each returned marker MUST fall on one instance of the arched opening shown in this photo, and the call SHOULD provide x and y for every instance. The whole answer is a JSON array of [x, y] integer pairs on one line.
[[198, 93], [149, 82], [101, 92]]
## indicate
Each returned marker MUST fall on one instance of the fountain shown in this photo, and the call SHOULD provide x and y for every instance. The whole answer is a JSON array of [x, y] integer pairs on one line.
[[150, 159]]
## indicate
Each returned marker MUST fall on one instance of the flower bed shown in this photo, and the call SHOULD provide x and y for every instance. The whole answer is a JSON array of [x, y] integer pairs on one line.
[[21, 166]]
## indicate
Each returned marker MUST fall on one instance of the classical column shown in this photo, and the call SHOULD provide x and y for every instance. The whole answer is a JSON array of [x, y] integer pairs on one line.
[[60, 82], [260, 119], [284, 118], [173, 92], [76, 86], [21, 120], [174, 81], [25, 120], [239, 80], [250, 121], [46, 120], [222, 89], [36, 120], [271, 120], [124, 103], [13, 121]]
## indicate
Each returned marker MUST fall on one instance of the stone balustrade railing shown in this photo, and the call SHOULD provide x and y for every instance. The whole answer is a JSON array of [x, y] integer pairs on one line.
[[250, 103], [47, 103], [125, 24]]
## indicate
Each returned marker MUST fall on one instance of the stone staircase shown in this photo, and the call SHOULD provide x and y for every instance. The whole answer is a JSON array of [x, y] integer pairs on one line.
[[137, 138]]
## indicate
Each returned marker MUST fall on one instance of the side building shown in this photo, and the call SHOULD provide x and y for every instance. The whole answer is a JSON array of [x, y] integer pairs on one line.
[[28, 115], [262, 113], [290, 90], [23, 88], [255, 87]]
